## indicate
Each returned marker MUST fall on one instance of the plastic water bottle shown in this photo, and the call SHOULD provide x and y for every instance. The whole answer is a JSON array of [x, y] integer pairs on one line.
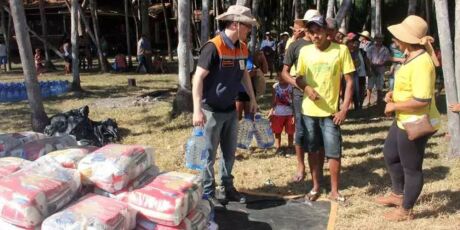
[[245, 132], [2, 93], [196, 154], [263, 132]]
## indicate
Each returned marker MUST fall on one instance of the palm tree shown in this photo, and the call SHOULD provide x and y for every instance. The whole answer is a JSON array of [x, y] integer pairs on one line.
[[128, 34], [378, 16], [412, 9], [442, 19], [39, 117], [183, 101], [330, 9], [102, 60], [75, 47], [43, 21], [255, 12], [204, 20]]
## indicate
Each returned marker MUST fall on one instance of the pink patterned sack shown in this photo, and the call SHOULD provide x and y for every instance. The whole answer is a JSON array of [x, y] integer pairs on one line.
[[168, 199]]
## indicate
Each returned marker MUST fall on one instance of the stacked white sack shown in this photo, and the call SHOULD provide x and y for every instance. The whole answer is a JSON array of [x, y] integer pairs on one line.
[[9, 141], [168, 199], [9, 165], [113, 166], [38, 190], [93, 212], [34, 149]]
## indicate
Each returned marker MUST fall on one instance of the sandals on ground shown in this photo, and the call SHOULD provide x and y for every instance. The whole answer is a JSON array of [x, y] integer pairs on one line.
[[338, 199], [312, 195]]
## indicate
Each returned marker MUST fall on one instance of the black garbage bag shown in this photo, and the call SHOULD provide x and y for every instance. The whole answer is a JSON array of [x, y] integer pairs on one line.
[[87, 132]]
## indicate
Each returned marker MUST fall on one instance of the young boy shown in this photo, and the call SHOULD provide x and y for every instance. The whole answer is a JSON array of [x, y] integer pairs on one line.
[[281, 114]]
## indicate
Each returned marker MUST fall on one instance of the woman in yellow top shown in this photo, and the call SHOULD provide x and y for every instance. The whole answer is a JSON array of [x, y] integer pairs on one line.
[[413, 96]]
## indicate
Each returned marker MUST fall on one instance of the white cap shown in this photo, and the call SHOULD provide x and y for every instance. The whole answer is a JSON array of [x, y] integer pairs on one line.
[[309, 15]]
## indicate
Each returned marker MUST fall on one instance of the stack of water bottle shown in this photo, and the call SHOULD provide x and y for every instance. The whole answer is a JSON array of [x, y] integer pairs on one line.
[[16, 91], [259, 128]]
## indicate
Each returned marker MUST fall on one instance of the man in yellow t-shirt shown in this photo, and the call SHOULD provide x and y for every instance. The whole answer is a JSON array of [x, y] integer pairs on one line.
[[319, 70]]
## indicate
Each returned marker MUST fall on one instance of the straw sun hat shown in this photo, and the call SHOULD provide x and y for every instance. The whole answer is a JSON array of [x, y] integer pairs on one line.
[[412, 30], [238, 13]]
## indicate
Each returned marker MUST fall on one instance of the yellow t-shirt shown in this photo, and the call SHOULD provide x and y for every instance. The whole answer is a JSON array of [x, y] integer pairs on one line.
[[416, 80], [322, 71]]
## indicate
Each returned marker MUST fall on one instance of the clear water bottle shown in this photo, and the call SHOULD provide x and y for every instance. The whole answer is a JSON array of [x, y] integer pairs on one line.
[[263, 132], [10, 94], [22, 92], [245, 132], [196, 153], [2, 93], [65, 86]]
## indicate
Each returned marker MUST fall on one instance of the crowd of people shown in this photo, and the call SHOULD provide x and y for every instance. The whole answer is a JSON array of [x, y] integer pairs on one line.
[[325, 72]]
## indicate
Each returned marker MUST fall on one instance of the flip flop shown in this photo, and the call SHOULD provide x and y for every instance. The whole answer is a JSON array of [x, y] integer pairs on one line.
[[338, 199], [312, 195]]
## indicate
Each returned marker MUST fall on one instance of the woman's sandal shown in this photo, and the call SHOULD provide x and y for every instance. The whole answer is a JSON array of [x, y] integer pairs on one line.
[[338, 199], [312, 195]]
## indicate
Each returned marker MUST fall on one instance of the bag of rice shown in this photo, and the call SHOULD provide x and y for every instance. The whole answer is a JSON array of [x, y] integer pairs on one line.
[[38, 190], [34, 149], [70, 157], [196, 219], [93, 212], [168, 199], [9, 141], [10, 165], [139, 182], [113, 166]]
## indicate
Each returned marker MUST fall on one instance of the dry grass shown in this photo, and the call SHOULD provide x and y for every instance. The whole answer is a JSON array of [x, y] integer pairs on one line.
[[363, 175]]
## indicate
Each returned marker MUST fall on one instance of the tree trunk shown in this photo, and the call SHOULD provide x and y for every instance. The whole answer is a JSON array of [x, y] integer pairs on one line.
[[330, 9], [318, 5], [183, 101], [442, 19], [246, 3], [343, 11], [48, 63], [216, 12], [204, 21], [378, 16], [75, 46], [412, 9], [428, 14], [168, 37], [457, 47], [255, 12], [373, 17], [104, 64], [296, 8], [145, 20], [128, 35], [39, 117]]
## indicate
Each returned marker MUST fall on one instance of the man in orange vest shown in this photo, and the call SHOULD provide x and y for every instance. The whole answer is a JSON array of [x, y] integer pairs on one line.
[[220, 70]]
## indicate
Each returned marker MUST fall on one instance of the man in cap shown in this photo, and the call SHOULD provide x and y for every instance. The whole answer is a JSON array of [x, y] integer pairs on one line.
[[378, 55], [282, 47], [268, 46], [319, 70], [220, 71], [288, 74]]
